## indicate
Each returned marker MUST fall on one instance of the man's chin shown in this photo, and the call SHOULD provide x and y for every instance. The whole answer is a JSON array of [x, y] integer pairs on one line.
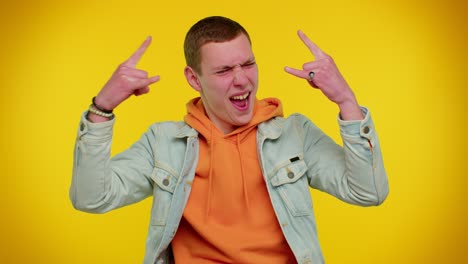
[[244, 120]]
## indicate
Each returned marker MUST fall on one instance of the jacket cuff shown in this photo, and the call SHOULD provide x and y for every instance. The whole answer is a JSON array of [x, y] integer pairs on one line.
[[363, 128], [95, 130]]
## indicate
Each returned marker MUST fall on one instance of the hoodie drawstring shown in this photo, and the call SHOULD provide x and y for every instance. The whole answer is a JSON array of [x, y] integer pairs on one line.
[[244, 181], [210, 173], [211, 144]]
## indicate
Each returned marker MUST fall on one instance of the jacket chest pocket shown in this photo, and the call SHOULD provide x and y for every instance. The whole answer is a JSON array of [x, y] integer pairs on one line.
[[292, 186], [163, 191]]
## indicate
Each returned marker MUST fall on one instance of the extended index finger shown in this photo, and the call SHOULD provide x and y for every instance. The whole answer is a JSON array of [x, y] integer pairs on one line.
[[133, 60], [316, 51]]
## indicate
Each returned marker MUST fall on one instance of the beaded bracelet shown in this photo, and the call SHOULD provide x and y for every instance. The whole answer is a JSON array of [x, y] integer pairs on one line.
[[100, 108], [92, 109]]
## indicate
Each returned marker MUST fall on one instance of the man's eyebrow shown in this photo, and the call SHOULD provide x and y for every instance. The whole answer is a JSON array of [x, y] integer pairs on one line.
[[223, 67]]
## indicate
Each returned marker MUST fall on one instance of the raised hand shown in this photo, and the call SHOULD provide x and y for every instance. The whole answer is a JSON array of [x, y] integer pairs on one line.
[[328, 79], [126, 80]]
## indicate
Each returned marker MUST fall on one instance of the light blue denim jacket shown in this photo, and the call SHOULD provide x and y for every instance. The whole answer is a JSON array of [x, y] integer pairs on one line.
[[293, 153]]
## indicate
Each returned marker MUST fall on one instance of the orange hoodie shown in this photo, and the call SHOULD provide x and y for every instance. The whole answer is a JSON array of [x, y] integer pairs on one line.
[[229, 217]]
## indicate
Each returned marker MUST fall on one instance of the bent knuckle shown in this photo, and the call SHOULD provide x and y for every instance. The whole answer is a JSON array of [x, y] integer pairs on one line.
[[122, 66]]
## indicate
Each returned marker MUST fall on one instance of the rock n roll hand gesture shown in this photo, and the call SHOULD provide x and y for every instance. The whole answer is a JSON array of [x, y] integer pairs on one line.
[[328, 79], [125, 81]]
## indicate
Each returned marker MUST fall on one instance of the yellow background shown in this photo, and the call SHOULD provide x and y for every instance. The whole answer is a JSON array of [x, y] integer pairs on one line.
[[403, 60]]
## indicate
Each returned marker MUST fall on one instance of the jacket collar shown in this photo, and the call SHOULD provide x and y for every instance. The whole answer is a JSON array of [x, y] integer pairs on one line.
[[186, 131], [272, 128]]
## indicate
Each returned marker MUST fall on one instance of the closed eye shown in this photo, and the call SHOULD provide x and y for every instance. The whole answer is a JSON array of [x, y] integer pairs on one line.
[[224, 70], [246, 65], [249, 64]]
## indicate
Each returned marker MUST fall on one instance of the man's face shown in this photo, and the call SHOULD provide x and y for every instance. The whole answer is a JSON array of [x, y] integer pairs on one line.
[[228, 82]]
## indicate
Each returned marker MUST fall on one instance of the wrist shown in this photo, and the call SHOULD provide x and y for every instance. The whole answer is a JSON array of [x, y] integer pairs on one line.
[[99, 105], [350, 110], [95, 115], [93, 118]]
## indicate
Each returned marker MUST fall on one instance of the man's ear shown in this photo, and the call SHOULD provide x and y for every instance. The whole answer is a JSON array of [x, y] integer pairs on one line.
[[192, 78]]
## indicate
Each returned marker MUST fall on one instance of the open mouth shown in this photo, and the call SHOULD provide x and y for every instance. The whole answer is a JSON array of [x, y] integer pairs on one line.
[[241, 102]]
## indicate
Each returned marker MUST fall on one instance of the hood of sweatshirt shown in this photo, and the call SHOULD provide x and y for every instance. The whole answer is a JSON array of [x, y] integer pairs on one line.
[[196, 117], [217, 149]]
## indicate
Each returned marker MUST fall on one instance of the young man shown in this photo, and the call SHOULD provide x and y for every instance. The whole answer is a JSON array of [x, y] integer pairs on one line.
[[230, 183]]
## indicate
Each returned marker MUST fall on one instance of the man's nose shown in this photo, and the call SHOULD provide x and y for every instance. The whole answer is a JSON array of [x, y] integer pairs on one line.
[[240, 78]]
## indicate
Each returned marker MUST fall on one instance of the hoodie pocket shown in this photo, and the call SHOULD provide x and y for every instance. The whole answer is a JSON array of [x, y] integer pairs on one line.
[[163, 190], [293, 187]]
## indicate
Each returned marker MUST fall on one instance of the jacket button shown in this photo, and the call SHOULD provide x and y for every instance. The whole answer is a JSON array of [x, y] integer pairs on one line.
[[290, 175], [366, 129], [165, 182]]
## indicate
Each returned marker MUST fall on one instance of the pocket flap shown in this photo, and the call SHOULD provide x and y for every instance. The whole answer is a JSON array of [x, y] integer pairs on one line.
[[289, 173], [164, 179]]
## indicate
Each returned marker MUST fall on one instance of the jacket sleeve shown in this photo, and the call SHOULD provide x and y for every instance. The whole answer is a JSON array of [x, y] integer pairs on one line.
[[99, 183], [353, 172]]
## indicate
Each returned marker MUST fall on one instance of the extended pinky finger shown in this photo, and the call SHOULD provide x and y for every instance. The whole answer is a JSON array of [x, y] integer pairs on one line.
[[153, 79], [298, 73], [142, 85]]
